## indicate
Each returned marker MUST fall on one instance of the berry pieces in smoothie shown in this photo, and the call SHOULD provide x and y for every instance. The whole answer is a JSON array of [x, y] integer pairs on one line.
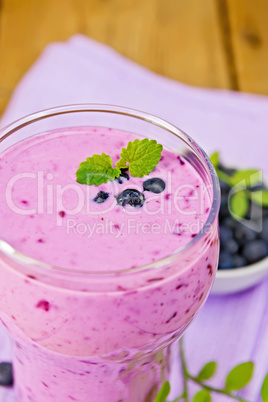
[[132, 197], [155, 185], [6, 374], [101, 197], [44, 305]]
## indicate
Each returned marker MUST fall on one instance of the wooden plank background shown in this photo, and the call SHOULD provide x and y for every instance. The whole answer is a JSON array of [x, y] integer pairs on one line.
[[209, 43]]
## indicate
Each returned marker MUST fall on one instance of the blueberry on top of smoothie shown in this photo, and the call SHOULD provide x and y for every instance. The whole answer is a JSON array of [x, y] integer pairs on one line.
[[132, 197], [6, 374], [123, 175], [155, 185], [101, 197]]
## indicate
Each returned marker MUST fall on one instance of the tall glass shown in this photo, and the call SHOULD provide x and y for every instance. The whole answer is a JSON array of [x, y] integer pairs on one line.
[[108, 336]]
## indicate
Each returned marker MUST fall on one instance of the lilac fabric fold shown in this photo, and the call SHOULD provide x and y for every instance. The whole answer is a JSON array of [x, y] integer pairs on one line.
[[229, 329]]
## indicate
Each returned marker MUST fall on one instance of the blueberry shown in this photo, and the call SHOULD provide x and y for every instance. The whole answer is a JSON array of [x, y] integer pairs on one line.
[[123, 175], [265, 211], [257, 212], [264, 233], [225, 234], [226, 260], [227, 170], [255, 251], [229, 222], [239, 261], [6, 374], [225, 188], [231, 246], [155, 185], [224, 208], [243, 233], [101, 197], [132, 197], [257, 187]]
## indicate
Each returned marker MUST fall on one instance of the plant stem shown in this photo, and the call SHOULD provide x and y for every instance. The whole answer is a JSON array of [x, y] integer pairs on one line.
[[217, 390], [178, 398], [184, 371], [187, 376]]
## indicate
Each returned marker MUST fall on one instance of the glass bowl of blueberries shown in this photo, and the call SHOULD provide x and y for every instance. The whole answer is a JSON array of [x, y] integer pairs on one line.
[[243, 221]]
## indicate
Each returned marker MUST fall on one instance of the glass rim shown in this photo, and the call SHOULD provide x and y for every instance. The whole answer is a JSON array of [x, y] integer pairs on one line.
[[18, 124]]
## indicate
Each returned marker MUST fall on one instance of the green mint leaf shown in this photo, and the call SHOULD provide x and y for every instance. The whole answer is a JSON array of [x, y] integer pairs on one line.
[[207, 371], [96, 170], [247, 177], [215, 159], [239, 204], [264, 389], [260, 197], [163, 393], [239, 376], [202, 396], [140, 157]]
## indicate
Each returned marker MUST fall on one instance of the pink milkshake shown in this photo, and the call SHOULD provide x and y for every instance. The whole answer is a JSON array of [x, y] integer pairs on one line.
[[97, 281]]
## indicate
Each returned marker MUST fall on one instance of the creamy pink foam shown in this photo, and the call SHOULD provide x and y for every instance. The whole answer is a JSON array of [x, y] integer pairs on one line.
[[43, 223]]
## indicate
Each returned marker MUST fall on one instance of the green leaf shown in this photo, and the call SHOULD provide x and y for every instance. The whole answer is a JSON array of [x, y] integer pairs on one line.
[[215, 159], [247, 177], [264, 389], [207, 371], [239, 204], [140, 157], [163, 393], [224, 177], [260, 197], [239, 376], [97, 170], [202, 396]]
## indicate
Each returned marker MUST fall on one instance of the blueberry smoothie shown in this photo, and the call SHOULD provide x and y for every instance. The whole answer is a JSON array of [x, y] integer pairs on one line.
[[100, 291]]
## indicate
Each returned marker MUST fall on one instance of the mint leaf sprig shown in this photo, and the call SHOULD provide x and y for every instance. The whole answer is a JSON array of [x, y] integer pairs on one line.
[[140, 157], [242, 182], [237, 378], [96, 170]]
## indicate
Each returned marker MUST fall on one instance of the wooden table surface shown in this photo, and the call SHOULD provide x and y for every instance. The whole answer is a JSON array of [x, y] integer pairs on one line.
[[209, 43]]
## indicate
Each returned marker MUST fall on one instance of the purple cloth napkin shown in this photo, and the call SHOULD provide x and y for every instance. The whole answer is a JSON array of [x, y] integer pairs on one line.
[[229, 329]]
